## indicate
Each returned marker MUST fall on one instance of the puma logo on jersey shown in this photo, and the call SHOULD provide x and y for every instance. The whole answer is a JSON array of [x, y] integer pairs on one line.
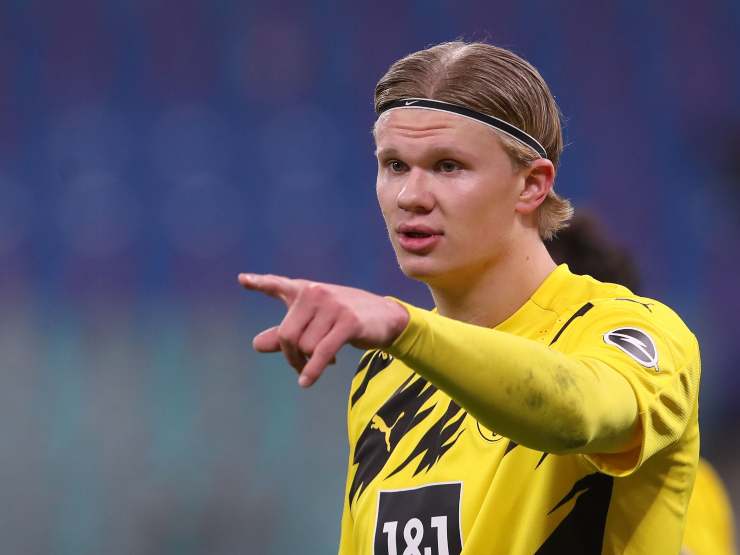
[[635, 343], [377, 423], [646, 305], [398, 416]]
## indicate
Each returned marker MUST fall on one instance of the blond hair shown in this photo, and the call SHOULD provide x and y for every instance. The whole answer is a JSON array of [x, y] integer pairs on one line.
[[493, 81]]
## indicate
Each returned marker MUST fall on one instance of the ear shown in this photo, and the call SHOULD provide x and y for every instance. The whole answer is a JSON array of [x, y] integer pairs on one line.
[[538, 180]]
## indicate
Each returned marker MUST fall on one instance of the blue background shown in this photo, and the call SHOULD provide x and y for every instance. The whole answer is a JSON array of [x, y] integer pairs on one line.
[[151, 150]]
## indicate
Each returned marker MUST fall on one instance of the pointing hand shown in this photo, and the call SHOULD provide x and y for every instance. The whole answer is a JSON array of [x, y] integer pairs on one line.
[[321, 318]]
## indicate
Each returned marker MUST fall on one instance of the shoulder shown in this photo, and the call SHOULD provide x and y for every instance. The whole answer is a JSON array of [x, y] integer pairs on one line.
[[601, 303], [642, 328], [634, 310]]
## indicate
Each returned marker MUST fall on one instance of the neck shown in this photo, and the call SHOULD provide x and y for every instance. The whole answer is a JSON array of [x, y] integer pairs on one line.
[[488, 297]]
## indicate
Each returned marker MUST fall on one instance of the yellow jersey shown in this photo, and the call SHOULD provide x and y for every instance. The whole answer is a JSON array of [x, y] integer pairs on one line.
[[709, 522], [425, 478]]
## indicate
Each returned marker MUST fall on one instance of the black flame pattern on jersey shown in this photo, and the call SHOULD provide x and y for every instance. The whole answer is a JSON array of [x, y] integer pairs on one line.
[[437, 440], [399, 414], [582, 529], [375, 362]]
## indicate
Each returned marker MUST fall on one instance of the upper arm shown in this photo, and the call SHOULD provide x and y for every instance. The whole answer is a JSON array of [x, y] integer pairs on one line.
[[657, 356]]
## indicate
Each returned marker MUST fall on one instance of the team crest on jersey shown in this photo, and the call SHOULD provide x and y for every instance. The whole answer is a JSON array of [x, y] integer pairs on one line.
[[636, 344]]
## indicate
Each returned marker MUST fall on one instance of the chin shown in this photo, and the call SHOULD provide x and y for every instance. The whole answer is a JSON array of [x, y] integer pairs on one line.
[[438, 272], [423, 269]]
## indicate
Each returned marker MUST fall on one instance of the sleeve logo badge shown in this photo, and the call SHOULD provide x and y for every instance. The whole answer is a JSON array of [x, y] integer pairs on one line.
[[635, 343]]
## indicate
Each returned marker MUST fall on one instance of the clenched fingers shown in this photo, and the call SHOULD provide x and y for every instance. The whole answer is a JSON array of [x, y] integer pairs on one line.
[[267, 341], [289, 332], [316, 330], [324, 353]]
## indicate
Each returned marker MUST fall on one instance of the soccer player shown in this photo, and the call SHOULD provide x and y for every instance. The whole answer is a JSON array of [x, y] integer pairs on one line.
[[534, 410]]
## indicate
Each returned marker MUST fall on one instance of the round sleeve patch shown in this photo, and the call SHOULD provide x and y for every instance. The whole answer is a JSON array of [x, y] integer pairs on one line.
[[635, 343]]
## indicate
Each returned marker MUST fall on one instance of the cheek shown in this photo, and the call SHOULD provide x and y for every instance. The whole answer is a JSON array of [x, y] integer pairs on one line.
[[386, 199], [482, 218], [490, 201]]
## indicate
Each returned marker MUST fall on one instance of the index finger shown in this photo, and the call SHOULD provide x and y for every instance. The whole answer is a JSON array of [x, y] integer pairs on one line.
[[278, 287]]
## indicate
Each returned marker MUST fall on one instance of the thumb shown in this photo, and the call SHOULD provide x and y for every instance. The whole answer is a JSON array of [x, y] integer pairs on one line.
[[267, 341]]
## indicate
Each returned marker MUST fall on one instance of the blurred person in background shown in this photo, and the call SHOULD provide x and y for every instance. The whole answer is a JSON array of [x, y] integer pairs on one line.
[[585, 247], [534, 410]]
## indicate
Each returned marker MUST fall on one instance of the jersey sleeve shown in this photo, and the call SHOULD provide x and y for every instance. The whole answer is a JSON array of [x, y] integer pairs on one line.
[[534, 395], [654, 351]]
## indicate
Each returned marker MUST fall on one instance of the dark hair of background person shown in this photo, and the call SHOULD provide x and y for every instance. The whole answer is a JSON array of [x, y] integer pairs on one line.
[[584, 246]]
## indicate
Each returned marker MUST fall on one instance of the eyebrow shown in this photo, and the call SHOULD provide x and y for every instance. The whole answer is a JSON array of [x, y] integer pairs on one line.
[[386, 152], [433, 152]]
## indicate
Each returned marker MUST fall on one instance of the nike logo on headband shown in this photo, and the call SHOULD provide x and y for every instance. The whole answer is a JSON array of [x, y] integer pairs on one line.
[[512, 130]]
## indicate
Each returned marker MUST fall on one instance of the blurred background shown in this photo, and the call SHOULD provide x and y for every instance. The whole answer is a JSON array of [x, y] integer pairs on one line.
[[150, 150]]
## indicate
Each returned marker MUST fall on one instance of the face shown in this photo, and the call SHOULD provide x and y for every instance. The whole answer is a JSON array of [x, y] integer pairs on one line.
[[449, 193]]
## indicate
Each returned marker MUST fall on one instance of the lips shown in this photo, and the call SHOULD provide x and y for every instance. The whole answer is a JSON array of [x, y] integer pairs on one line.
[[418, 238]]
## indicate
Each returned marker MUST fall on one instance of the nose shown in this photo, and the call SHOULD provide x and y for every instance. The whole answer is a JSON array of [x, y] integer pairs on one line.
[[415, 195]]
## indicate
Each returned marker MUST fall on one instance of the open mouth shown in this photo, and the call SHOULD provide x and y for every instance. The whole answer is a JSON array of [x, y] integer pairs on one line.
[[418, 241], [417, 234]]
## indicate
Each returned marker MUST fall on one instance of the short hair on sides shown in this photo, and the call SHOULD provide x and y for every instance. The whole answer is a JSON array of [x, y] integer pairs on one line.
[[493, 81]]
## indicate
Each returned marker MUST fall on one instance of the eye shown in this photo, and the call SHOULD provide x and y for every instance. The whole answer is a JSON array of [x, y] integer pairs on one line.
[[448, 166], [396, 166]]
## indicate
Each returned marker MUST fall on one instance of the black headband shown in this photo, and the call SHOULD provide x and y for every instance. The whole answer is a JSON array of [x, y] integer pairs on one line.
[[495, 122]]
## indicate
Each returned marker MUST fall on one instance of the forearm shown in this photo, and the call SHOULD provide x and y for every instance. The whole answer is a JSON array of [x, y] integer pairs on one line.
[[523, 390]]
